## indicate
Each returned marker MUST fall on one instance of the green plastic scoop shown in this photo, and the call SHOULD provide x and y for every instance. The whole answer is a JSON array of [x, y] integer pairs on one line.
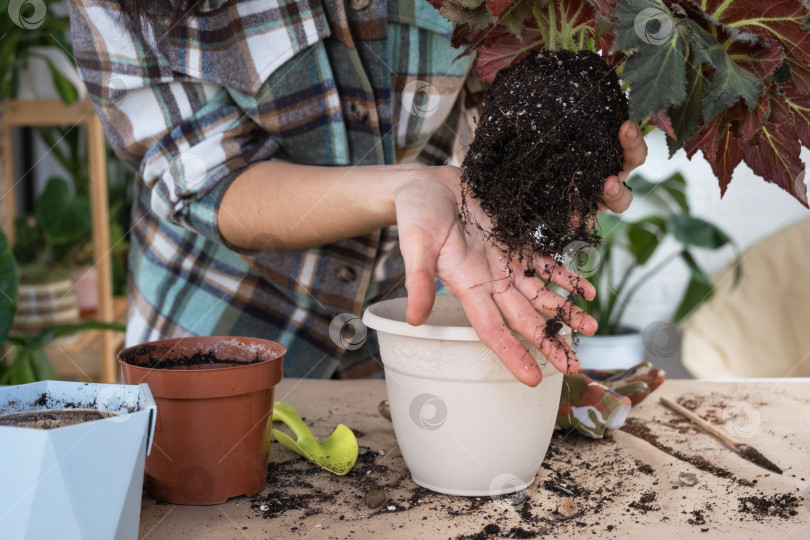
[[337, 453]]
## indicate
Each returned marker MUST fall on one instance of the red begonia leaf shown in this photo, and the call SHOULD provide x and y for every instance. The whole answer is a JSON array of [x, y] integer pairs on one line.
[[721, 147], [662, 121], [760, 60], [497, 7], [605, 7], [502, 49], [751, 121], [774, 152], [797, 98], [799, 83], [782, 20], [800, 106]]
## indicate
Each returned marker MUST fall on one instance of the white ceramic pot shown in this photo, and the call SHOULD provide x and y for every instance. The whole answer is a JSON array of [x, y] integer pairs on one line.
[[621, 351], [75, 481], [464, 424]]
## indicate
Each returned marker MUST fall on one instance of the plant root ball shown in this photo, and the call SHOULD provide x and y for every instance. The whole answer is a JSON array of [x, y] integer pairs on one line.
[[547, 139]]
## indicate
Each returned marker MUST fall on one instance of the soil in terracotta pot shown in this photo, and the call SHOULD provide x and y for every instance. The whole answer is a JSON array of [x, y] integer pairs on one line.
[[546, 141], [198, 360], [53, 418]]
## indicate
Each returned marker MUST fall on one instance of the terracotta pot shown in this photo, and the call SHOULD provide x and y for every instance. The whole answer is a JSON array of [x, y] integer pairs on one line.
[[212, 435], [85, 285]]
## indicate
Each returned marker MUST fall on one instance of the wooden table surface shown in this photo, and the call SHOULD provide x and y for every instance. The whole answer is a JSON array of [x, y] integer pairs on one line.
[[632, 484]]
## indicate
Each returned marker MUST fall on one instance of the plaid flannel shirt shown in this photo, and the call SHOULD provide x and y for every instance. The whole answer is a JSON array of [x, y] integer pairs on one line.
[[322, 82]]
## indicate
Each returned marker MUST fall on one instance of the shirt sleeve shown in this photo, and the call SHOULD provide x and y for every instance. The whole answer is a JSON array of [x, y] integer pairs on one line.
[[186, 138]]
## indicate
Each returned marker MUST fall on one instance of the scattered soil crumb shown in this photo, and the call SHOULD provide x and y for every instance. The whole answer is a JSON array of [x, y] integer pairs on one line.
[[682, 425], [697, 518], [690, 403], [519, 532], [639, 429], [712, 416], [779, 505], [594, 476], [645, 503]]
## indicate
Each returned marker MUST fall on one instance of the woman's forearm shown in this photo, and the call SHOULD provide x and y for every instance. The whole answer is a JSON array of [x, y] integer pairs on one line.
[[279, 205]]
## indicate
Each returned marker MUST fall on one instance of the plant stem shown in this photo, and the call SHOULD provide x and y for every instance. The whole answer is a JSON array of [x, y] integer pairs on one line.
[[615, 294], [50, 141], [643, 279], [540, 18]]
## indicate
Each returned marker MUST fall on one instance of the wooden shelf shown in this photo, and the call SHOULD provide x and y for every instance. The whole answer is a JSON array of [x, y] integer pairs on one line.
[[55, 113]]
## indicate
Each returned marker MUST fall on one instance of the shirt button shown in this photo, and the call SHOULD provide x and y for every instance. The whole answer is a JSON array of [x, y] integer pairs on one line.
[[358, 112], [346, 274], [358, 5]]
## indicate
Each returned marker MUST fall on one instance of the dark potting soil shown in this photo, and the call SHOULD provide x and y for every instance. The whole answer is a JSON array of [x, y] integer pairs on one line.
[[547, 139], [638, 429], [780, 505], [596, 482], [153, 359], [697, 518], [53, 418], [646, 503]]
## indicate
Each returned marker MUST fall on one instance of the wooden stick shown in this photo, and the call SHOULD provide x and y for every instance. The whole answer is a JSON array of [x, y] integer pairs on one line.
[[701, 422], [743, 450]]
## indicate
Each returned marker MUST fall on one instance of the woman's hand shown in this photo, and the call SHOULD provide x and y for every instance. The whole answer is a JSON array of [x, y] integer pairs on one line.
[[617, 197], [491, 288]]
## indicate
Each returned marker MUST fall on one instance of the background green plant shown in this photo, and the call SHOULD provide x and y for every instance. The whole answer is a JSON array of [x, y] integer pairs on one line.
[[16, 43], [25, 360], [57, 232], [65, 201], [618, 278]]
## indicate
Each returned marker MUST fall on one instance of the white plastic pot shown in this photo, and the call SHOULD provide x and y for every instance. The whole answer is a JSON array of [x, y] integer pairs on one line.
[[79, 481], [621, 351], [464, 424]]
